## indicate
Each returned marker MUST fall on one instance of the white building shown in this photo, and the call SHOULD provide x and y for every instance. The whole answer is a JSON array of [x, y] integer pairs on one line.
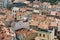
[[36, 4], [46, 34], [36, 11], [58, 24], [53, 13], [45, 5], [58, 8], [14, 10]]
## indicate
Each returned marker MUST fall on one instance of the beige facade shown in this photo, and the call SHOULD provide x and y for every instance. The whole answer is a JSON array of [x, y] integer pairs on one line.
[[46, 35]]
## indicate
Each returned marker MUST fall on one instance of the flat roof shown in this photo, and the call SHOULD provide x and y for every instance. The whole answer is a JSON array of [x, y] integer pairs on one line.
[[44, 30], [18, 4]]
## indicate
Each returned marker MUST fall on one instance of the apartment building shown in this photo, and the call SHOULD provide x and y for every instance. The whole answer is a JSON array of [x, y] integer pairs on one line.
[[3, 3], [14, 10], [36, 6], [45, 5], [58, 8], [45, 34]]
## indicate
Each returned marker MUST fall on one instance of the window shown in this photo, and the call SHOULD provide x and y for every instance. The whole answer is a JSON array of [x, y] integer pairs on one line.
[[13, 10], [56, 13], [43, 35], [58, 32], [39, 34]]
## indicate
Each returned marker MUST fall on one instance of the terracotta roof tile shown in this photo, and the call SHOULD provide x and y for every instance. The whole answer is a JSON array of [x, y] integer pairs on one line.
[[34, 23], [43, 25]]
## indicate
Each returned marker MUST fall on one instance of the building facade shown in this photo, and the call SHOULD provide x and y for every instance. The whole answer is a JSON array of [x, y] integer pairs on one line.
[[14, 10], [58, 8], [46, 35], [3, 3]]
